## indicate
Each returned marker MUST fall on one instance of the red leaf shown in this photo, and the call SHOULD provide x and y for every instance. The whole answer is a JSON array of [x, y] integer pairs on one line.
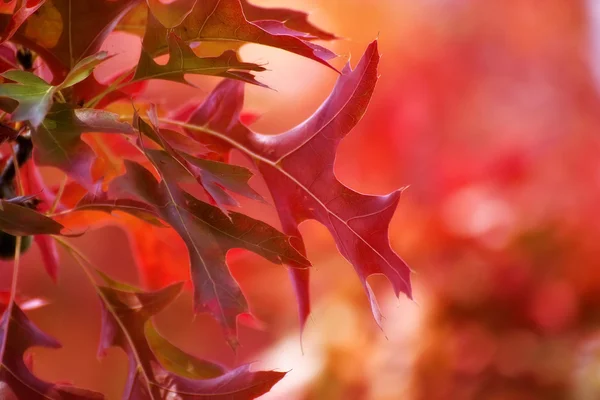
[[126, 324], [172, 14], [35, 186], [160, 254], [8, 57], [23, 10], [58, 141], [218, 20], [209, 234], [296, 20], [213, 176], [183, 61], [17, 335], [49, 254], [100, 201], [298, 169], [24, 302], [64, 32], [90, 88]]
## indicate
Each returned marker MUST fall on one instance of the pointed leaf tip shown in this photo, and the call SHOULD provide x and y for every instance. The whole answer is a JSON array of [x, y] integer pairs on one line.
[[297, 168]]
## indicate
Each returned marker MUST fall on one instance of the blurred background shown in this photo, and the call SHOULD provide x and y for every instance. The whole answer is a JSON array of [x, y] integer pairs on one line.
[[490, 111]]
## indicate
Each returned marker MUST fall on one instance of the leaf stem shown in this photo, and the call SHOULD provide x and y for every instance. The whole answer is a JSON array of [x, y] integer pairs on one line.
[[86, 265], [12, 298], [15, 277], [20, 187], [116, 85], [61, 97], [221, 136], [277, 166], [59, 194]]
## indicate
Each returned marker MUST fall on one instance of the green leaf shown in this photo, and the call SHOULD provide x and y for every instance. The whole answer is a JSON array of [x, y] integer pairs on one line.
[[83, 69], [33, 94], [178, 361], [182, 61]]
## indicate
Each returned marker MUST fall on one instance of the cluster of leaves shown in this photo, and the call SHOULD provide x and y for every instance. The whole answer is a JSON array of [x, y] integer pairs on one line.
[[177, 174]]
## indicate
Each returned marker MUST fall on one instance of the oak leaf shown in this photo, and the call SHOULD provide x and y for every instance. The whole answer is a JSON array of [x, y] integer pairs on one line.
[[218, 20], [58, 141], [17, 335], [208, 234], [292, 19], [298, 168], [64, 32], [182, 61], [155, 365], [35, 95]]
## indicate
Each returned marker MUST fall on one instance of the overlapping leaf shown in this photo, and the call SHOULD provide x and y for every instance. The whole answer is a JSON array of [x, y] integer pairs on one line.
[[298, 169], [90, 89], [22, 11], [8, 57], [209, 234], [182, 61], [7, 133], [292, 19], [64, 32], [58, 141], [160, 254], [17, 335], [218, 20], [35, 95], [23, 302], [18, 220], [134, 21], [214, 176], [155, 365], [100, 201], [172, 14]]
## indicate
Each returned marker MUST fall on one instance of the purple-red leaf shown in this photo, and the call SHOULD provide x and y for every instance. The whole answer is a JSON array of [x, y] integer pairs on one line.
[[64, 32], [180, 166], [298, 169], [100, 201], [208, 234], [58, 139], [218, 20], [18, 220], [126, 324], [17, 335], [292, 19], [172, 14]]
